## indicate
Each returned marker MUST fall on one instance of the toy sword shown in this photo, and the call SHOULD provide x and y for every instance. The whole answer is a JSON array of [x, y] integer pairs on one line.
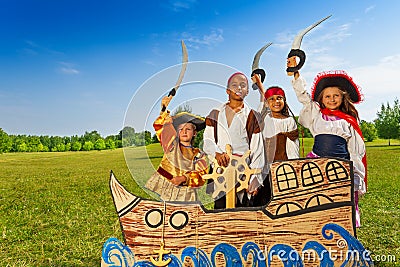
[[181, 74], [297, 52], [255, 67]]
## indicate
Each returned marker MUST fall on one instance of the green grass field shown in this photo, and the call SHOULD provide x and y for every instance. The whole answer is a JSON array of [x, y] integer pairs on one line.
[[56, 208]]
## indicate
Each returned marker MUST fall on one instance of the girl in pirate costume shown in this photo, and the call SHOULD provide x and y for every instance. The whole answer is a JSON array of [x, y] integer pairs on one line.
[[280, 129], [181, 168], [330, 115], [280, 133]]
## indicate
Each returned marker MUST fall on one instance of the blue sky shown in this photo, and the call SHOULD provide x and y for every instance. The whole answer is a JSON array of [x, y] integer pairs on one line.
[[67, 67]]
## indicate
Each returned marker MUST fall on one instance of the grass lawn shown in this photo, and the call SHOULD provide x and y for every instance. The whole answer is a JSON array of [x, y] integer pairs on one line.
[[56, 208]]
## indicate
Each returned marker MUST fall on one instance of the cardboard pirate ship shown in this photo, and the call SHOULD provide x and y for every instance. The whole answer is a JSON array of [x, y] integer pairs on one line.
[[310, 221]]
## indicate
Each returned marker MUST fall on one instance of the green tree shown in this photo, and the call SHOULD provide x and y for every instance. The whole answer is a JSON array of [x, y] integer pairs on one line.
[[154, 139], [76, 146], [198, 139], [68, 147], [368, 130], [43, 148], [388, 121], [128, 136], [110, 144], [118, 143], [182, 108], [59, 147], [91, 136], [87, 146], [73, 139], [34, 144], [147, 138], [19, 143], [139, 139], [303, 131], [22, 147], [100, 144], [45, 141], [55, 142], [5, 142]]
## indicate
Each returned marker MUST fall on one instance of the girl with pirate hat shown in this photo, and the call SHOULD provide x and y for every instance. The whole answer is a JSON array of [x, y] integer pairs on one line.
[[181, 168], [330, 115]]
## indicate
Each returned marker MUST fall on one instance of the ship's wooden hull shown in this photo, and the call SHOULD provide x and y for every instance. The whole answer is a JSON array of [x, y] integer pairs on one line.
[[306, 217]]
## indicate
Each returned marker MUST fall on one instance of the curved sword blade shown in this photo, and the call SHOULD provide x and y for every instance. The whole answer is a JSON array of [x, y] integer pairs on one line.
[[257, 57], [297, 40], [184, 65]]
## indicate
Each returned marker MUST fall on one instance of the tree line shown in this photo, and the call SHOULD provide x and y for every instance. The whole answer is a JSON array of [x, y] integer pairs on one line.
[[86, 142], [386, 126]]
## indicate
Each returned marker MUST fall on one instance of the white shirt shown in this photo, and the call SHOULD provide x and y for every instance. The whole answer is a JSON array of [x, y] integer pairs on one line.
[[312, 118], [274, 126], [236, 136]]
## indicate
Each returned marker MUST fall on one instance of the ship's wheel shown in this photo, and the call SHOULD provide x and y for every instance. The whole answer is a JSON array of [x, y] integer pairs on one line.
[[233, 178]]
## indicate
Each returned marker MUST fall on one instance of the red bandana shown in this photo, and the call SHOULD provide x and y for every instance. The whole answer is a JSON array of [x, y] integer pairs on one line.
[[274, 91], [233, 75], [353, 122]]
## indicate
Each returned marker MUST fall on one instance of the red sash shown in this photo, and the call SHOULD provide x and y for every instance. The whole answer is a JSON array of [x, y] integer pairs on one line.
[[353, 122]]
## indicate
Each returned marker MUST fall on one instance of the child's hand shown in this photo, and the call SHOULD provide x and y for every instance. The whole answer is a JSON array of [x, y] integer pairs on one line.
[[291, 62], [165, 101], [178, 180], [256, 78], [222, 159], [253, 187]]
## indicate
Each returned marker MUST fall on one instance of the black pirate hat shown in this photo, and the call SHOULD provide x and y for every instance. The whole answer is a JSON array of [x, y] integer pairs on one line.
[[186, 117], [339, 79]]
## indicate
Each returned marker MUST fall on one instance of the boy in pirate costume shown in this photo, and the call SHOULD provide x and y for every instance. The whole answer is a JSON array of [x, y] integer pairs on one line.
[[234, 123], [181, 168]]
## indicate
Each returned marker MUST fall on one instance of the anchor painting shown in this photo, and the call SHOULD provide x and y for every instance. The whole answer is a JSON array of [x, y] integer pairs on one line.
[[310, 221]]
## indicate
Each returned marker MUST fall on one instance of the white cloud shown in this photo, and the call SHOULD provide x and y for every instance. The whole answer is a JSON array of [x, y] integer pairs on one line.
[[31, 43], [29, 52], [335, 35], [149, 62], [181, 5], [36, 49], [368, 9], [284, 39], [319, 39], [324, 62], [209, 40], [69, 71], [68, 68], [379, 85], [381, 78]]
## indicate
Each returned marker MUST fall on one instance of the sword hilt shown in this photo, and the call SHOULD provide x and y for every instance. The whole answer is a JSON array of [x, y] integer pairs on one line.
[[262, 74], [171, 93], [296, 53]]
